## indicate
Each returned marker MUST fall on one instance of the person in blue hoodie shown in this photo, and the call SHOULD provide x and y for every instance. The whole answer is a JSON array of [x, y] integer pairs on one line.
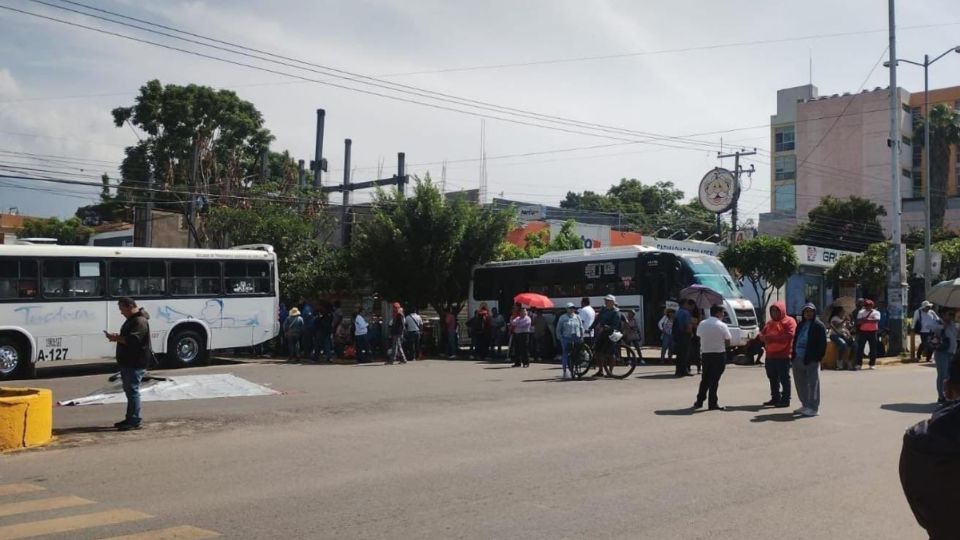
[[809, 346]]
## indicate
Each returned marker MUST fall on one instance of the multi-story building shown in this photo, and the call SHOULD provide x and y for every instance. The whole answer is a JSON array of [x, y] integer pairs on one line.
[[838, 145]]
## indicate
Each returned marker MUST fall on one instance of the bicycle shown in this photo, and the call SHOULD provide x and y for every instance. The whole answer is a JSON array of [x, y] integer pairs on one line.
[[625, 360]]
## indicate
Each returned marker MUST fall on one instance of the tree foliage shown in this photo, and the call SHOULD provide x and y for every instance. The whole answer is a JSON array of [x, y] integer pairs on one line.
[[765, 261], [68, 232], [869, 269], [294, 227], [944, 134], [850, 225], [950, 252], [422, 249]]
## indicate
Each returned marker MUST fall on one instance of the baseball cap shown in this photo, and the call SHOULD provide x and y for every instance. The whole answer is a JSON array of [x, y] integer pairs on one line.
[[571, 305]]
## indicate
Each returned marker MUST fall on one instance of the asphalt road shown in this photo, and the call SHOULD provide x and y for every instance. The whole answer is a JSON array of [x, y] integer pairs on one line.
[[440, 449]]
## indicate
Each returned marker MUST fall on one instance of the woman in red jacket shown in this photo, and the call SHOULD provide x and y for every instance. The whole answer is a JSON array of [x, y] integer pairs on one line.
[[777, 336]]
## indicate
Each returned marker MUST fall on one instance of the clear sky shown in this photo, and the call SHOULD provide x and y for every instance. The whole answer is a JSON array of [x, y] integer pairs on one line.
[[706, 67]]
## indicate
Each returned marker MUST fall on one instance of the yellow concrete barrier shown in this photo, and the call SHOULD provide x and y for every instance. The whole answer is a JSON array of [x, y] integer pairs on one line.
[[26, 417]]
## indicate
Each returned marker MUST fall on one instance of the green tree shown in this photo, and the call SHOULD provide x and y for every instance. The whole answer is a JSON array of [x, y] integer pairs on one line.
[[868, 269], [68, 232], [850, 225], [566, 239], [293, 226], [950, 252], [198, 139], [110, 209], [944, 134], [536, 244], [766, 262], [422, 249]]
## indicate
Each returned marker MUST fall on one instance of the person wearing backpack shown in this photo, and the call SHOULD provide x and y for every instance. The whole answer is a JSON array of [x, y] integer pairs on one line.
[[292, 331], [944, 341]]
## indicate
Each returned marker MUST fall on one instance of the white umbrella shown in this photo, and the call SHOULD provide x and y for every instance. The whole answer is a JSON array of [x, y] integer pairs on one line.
[[945, 293]]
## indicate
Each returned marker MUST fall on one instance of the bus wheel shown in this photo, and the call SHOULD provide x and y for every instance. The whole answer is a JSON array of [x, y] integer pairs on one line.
[[187, 348], [14, 362]]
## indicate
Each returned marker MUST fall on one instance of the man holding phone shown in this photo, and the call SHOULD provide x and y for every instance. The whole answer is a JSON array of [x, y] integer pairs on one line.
[[134, 352]]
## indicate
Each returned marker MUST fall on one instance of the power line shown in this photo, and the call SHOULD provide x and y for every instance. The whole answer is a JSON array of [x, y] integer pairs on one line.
[[660, 51]]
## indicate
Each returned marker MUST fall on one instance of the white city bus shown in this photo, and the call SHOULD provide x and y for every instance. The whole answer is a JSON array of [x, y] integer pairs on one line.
[[56, 301], [641, 277]]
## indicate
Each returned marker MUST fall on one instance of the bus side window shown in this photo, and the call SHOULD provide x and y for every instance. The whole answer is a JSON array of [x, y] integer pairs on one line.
[[137, 278], [247, 277], [18, 278], [72, 279]]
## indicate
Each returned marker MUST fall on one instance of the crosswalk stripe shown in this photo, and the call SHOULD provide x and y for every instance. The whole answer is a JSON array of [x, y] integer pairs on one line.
[[16, 489], [37, 505], [72, 523], [173, 533]]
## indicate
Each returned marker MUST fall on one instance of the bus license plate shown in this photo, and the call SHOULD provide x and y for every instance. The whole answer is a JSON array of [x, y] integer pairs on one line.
[[53, 349]]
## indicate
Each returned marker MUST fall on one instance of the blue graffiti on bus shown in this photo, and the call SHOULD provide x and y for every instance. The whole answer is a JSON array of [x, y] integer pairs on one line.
[[38, 315], [212, 314]]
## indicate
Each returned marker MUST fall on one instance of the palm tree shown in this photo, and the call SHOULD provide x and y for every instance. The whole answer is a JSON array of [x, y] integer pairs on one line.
[[944, 133]]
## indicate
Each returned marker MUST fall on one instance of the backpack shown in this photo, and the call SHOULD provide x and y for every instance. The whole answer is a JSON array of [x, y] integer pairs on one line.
[[939, 341]]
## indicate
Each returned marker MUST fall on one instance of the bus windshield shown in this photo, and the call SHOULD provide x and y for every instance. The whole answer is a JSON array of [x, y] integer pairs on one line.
[[710, 272]]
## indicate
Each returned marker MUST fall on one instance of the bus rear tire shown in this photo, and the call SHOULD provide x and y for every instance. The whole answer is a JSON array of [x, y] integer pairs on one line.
[[187, 348], [14, 360]]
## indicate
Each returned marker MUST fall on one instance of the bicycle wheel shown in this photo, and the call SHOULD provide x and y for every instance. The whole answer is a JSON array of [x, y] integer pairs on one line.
[[581, 358], [623, 363]]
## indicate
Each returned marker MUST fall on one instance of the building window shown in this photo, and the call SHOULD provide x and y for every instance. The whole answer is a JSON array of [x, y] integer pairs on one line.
[[785, 168], [784, 139], [785, 198]]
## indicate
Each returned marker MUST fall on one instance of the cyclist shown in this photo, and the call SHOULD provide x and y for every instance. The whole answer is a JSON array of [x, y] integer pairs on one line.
[[607, 322]]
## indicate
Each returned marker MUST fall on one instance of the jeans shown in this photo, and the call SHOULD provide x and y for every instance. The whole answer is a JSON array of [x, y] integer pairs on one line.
[[131, 377], [713, 366], [396, 350], [925, 350], [360, 342], [942, 358], [666, 344], [293, 347], [681, 344], [862, 339], [842, 346], [807, 379], [566, 347], [452, 343], [325, 346], [778, 373], [413, 344]]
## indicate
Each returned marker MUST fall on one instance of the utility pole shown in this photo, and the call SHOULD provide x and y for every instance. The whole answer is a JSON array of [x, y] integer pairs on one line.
[[896, 258], [736, 192], [347, 146], [402, 173], [148, 220], [318, 164], [193, 241], [301, 183]]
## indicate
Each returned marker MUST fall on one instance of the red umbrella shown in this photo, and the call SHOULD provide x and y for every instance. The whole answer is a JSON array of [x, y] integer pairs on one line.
[[533, 300]]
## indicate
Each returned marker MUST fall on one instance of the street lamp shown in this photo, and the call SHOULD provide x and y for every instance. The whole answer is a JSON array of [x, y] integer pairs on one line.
[[680, 231], [926, 151], [711, 237], [692, 235], [660, 230]]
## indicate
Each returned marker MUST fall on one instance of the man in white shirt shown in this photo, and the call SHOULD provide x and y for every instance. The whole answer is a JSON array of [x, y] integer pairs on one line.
[[413, 326], [714, 339], [360, 329], [925, 322], [587, 315]]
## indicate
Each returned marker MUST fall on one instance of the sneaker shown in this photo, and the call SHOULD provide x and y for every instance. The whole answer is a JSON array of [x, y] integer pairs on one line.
[[717, 408], [809, 413], [782, 404], [121, 423], [697, 405], [800, 410], [871, 368], [128, 427], [771, 402]]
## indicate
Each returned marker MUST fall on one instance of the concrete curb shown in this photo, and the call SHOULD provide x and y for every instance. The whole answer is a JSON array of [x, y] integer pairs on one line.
[[26, 417]]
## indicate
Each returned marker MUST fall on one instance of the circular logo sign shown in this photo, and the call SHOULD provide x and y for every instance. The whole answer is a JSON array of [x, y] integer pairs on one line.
[[718, 190]]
